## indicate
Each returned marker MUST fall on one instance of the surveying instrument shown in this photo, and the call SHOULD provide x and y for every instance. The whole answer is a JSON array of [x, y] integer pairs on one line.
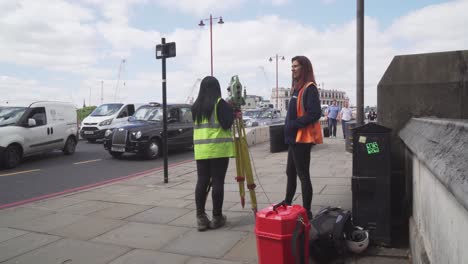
[[243, 165]]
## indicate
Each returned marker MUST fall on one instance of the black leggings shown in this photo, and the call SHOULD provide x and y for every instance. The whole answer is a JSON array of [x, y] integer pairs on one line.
[[214, 169], [298, 165]]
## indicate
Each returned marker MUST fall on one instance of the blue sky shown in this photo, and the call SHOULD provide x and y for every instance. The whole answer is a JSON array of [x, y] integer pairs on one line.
[[62, 50]]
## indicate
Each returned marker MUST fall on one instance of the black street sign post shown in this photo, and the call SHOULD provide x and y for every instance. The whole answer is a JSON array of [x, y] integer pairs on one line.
[[163, 51]]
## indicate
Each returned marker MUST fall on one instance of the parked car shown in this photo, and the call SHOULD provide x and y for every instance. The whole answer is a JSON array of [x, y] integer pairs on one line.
[[104, 117], [143, 133], [36, 128], [267, 117], [249, 114]]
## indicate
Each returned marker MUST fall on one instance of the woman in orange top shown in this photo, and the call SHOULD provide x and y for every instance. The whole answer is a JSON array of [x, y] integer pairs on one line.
[[302, 130]]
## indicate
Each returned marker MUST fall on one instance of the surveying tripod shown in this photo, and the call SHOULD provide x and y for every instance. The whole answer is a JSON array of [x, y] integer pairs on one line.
[[243, 165]]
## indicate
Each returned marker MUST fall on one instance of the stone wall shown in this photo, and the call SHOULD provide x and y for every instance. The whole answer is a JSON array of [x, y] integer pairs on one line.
[[438, 150]]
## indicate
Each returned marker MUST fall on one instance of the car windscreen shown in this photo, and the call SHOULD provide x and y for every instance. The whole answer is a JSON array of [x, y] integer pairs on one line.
[[10, 115], [253, 114], [148, 114], [106, 110], [266, 114]]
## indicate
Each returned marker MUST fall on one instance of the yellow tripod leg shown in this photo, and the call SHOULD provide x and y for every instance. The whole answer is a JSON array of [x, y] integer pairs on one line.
[[248, 168], [240, 173]]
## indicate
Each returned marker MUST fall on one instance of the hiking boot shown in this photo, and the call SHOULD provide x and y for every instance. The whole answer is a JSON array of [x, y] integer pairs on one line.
[[218, 221], [203, 222]]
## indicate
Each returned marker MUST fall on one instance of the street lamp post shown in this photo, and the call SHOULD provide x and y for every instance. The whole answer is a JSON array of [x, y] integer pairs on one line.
[[277, 96], [211, 34]]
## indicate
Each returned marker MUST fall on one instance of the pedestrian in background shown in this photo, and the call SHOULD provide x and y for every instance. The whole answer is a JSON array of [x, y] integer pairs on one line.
[[333, 111], [213, 146], [346, 114], [302, 130]]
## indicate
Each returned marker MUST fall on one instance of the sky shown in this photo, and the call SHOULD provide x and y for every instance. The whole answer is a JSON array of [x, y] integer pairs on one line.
[[97, 50]]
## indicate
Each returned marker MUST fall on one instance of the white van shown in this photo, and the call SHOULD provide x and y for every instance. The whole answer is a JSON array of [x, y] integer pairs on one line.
[[36, 128], [104, 117]]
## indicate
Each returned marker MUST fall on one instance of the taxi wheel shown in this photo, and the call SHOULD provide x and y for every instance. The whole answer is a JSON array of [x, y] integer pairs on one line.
[[154, 149]]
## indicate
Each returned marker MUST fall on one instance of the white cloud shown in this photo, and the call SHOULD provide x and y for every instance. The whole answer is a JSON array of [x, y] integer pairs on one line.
[[439, 27], [279, 2], [201, 7], [70, 43], [28, 90], [56, 37]]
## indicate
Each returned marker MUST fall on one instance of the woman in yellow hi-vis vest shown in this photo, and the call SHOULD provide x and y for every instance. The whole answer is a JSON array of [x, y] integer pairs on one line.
[[302, 130], [213, 146]]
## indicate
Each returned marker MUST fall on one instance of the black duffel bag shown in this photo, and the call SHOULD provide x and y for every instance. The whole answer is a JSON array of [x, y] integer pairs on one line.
[[327, 233]]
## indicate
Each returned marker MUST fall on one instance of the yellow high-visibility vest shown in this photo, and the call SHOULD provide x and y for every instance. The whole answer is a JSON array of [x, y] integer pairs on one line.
[[210, 140]]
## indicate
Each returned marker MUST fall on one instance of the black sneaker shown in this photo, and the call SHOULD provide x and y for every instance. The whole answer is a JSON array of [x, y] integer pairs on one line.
[[203, 222], [218, 221]]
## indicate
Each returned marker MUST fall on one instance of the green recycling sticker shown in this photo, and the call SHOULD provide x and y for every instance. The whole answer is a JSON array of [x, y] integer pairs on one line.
[[372, 148]]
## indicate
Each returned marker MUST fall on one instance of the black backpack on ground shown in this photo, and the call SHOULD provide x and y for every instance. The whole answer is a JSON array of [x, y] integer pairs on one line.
[[326, 237]]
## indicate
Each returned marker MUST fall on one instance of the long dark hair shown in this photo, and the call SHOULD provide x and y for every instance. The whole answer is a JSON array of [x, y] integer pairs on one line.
[[208, 95], [307, 72]]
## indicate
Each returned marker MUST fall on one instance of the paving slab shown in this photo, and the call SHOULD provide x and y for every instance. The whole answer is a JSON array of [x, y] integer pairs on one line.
[[177, 203], [374, 260], [68, 251], [214, 244], [120, 211], [48, 222], [245, 250], [86, 207], [87, 228], [123, 189], [11, 216], [140, 256], [337, 189], [158, 215], [387, 252], [339, 200], [213, 261], [54, 204], [141, 235], [22, 244], [209, 205], [9, 233], [331, 180], [89, 195]]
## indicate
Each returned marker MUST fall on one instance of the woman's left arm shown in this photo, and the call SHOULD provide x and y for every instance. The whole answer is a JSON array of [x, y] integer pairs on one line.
[[225, 114], [313, 112]]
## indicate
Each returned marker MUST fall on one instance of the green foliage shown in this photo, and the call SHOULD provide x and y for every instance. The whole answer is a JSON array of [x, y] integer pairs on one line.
[[84, 112]]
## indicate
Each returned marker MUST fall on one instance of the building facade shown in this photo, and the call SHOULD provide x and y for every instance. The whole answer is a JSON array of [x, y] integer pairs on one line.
[[326, 98]]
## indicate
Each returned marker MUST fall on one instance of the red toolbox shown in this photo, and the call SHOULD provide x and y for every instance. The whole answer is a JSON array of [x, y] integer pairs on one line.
[[274, 228]]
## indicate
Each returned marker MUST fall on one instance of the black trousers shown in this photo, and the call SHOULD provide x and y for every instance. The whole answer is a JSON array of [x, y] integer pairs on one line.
[[214, 169], [298, 166]]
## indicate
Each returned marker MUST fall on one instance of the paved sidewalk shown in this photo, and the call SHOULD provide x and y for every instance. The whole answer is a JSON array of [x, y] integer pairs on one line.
[[142, 220]]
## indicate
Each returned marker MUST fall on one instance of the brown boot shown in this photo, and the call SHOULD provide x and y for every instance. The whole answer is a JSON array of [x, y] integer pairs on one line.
[[218, 221], [203, 222]]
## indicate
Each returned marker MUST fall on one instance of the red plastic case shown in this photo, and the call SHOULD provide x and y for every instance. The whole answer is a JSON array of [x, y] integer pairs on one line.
[[274, 229]]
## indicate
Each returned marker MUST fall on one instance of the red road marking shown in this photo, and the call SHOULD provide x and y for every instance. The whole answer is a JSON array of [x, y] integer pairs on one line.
[[50, 195]]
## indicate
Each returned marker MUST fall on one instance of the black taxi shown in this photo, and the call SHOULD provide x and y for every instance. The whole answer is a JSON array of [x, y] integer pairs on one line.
[[143, 133]]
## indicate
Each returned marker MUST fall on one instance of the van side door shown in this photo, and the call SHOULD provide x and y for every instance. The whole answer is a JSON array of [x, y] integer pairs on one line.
[[36, 138]]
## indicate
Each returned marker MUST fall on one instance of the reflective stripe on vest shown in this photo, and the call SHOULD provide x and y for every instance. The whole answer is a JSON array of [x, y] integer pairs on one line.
[[313, 132], [211, 140]]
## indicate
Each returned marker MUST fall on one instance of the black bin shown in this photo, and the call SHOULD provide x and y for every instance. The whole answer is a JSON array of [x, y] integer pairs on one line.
[[371, 181], [277, 139]]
